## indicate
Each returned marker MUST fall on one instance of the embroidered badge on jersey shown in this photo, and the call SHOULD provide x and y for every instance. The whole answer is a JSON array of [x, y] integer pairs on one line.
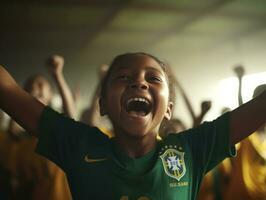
[[174, 163]]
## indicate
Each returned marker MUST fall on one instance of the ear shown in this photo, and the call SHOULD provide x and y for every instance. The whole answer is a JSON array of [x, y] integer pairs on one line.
[[102, 106], [168, 113]]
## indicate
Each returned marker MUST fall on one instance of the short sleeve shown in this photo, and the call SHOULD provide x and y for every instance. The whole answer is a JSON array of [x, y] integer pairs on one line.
[[63, 140], [209, 143]]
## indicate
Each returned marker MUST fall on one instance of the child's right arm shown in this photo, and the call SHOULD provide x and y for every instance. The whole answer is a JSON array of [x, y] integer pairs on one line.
[[21, 106]]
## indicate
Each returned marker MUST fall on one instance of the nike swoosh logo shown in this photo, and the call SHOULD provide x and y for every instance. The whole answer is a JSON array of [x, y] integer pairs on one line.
[[93, 160]]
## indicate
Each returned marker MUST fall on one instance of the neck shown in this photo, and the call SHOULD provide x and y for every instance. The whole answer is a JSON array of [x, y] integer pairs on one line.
[[136, 147]]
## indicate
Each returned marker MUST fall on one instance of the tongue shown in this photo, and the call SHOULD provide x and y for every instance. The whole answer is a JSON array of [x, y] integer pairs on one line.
[[137, 113]]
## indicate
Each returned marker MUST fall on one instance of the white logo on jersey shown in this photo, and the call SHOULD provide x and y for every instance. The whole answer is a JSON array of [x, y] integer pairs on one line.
[[174, 163]]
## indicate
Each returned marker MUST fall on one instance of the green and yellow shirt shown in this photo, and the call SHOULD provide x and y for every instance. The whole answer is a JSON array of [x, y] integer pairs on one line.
[[97, 170]]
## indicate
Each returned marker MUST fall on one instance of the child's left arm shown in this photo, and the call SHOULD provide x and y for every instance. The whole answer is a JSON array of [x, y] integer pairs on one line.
[[247, 118]]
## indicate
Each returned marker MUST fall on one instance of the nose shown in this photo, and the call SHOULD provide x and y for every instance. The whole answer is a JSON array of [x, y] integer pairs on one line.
[[139, 84]]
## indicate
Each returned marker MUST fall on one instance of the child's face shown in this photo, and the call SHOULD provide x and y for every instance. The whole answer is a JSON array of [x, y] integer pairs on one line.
[[137, 96], [41, 90]]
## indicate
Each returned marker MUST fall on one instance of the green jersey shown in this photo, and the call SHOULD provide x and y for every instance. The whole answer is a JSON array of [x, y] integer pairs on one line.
[[96, 169]]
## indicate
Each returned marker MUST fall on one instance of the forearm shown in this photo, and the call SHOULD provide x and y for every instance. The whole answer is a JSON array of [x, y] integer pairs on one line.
[[247, 118], [66, 95], [240, 99], [21, 107], [14, 128], [197, 121]]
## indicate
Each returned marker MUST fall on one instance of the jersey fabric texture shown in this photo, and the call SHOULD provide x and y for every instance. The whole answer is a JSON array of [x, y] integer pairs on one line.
[[97, 169]]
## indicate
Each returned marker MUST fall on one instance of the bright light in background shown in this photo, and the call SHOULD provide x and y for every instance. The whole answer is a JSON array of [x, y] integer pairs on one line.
[[228, 89], [56, 102]]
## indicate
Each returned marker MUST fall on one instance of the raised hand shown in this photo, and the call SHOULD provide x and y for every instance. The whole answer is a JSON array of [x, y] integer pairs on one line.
[[205, 106], [239, 70], [55, 64]]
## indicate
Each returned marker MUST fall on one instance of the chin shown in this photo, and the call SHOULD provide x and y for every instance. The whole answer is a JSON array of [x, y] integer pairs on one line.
[[137, 132], [137, 135]]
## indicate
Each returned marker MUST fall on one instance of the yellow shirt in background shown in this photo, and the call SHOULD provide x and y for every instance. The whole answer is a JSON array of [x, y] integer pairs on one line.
[[248, 178]]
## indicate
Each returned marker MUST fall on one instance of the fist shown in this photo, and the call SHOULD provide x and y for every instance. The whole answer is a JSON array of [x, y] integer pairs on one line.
[[55, 64], [239, 70], [206, 106]]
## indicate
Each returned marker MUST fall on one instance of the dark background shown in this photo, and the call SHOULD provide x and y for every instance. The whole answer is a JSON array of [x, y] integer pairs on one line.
[[201, 39]]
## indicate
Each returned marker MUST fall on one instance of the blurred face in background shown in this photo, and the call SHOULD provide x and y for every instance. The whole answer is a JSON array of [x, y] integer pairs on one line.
[[39, 87]]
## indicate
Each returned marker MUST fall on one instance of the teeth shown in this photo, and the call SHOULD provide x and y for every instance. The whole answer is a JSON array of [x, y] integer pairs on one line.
[[137, 99]]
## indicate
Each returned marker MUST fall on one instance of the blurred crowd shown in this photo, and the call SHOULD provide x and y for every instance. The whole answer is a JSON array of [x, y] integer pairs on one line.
[[24, 175]]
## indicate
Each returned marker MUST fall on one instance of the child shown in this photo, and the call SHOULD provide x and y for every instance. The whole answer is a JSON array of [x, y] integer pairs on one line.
[[133, 165], [36, 177]]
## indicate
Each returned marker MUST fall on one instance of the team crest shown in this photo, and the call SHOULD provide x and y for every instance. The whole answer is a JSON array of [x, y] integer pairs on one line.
[[174, 163]]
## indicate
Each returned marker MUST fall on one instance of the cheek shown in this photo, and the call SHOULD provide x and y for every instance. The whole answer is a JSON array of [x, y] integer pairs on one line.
[[115, 90], [163, 102], [113, 99], [164, 95]]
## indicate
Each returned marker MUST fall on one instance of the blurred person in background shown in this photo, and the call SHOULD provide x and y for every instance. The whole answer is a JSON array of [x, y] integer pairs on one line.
[[91, 114], [248, 175], [31, 175], [176, 125]]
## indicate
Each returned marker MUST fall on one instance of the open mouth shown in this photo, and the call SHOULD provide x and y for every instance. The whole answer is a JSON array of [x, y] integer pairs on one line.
[[138, 106]]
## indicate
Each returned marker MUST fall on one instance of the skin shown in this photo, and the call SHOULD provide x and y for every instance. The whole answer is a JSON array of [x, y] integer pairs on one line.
[[20, 105], [137, 138], [41, 90], [91, 115], [137, 76], [55, 65]]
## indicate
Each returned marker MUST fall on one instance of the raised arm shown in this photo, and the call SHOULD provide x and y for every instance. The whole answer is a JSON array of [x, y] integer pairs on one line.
[[240, 71], [91, 115], [185, 97], [205, 107], [21, 106], [177, 84], [247, 118], [55, 66]]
